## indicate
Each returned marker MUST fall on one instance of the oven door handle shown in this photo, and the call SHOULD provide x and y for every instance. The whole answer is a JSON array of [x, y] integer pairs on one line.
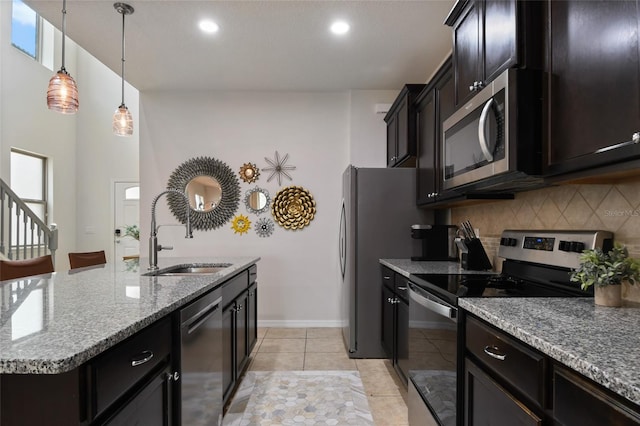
[[482, 131], [432, 305]]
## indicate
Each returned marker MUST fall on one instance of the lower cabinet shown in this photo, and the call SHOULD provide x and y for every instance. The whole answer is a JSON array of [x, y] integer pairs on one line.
[[488, 403], [506, 382], [239, 324], [395, 321], [150, 406]]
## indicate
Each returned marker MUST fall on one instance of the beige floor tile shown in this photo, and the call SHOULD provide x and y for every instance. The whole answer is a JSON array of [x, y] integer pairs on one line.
[[257, 346], [389, 410], [261, 332], [277, 362], [324, 333], [328, 361], [282, 345], [334, 345], [373, 365], [286, 333], [381, 383]]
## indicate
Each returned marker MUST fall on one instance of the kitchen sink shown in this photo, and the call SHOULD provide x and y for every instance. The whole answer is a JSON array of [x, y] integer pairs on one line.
[[189, 269]]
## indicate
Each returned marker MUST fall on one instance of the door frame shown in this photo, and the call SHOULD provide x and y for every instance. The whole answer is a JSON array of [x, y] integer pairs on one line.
[[112, 216]]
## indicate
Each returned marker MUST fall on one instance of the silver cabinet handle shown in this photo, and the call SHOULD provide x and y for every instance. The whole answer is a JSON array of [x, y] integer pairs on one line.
[[144, 357], [472, 88], [386, 277], [402, 288], [493, 352], [175, 376], [482, 131], [636, 137]]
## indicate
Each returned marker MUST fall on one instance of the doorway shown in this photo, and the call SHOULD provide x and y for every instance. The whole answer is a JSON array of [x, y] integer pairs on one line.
[[126, 197]]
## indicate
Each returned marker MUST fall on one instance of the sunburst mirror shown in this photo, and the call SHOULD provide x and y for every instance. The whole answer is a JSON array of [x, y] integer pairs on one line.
[[212, 188]]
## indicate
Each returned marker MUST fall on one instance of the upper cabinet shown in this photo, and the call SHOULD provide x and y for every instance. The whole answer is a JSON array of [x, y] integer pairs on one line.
[[490, 36], [593, 93], [401, 128], [433, 106]]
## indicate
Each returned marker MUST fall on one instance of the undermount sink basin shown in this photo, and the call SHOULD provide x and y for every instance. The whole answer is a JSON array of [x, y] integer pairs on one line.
[[194, 269]]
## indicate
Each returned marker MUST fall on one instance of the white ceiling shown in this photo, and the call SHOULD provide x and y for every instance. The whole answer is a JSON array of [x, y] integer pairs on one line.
[[262, 44]]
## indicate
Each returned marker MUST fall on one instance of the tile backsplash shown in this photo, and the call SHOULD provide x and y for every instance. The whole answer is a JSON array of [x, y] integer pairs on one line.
[[609, 207]]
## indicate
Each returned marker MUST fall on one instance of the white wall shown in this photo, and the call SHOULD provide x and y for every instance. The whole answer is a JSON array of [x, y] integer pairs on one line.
[[298, 272], [84, 156], [367, 129], [102, 156]]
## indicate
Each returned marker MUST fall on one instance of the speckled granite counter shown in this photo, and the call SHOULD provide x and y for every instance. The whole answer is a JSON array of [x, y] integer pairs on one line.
[[600, 343], [56, 322], [407, 267]]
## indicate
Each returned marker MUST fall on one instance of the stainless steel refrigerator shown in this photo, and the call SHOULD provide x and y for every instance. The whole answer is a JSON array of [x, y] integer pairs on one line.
[[378, 209]]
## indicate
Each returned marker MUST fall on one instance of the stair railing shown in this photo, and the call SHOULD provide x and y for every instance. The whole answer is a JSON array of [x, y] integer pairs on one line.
[[23, 235]]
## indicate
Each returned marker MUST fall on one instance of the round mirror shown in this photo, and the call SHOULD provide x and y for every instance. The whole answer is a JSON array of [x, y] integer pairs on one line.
[[204, 193], [212, 189], [257, 200]]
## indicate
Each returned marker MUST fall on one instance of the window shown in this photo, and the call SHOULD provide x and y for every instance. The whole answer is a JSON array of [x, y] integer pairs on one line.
[[29, 180], [25, 32]]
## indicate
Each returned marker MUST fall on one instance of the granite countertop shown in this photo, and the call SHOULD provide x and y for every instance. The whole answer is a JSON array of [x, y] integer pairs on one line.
[[407, 267], [53, 323], [599, 342]]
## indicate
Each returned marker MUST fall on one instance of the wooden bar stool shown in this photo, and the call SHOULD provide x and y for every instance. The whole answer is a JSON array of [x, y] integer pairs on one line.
[[80, 260], [12, 269]]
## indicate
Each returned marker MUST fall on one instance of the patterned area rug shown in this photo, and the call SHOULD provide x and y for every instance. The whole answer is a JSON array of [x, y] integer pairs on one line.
[[299, 398]]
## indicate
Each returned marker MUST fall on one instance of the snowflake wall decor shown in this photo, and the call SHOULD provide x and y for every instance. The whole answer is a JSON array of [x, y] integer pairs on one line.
[[278, 167], [264, 227], [241, 224]]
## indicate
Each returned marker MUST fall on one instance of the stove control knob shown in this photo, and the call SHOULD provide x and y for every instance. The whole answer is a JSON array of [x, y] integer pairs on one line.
[[564, 246]]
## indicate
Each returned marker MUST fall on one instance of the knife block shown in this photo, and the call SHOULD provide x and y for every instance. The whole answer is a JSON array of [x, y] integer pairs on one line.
[[475, 259]]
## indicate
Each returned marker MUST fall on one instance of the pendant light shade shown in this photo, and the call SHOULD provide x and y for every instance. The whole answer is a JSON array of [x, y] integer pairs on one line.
[[62, 93], [122, 119]]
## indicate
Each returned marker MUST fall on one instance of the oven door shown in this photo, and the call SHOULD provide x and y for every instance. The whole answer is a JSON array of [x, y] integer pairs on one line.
[[475, 143], [432, 357]]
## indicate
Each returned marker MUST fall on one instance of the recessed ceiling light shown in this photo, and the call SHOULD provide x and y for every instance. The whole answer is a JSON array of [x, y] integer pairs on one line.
[[208, 26], [340, 27]]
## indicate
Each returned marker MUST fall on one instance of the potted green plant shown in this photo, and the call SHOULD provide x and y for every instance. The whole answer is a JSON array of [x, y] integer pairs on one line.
[[606, 272]]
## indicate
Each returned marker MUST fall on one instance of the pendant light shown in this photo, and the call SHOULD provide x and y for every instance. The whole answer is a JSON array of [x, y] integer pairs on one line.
[[62, 93], [122, 119]]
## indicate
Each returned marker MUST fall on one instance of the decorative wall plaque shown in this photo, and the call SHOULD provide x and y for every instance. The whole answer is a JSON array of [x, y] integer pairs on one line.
[[293, 207]]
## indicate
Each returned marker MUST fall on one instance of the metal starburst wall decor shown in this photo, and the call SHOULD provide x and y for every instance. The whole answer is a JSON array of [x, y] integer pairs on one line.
[[278, 167]]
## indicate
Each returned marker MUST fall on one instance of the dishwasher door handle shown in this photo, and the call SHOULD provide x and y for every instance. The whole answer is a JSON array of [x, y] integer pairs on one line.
[[201, 317], [432, 305]]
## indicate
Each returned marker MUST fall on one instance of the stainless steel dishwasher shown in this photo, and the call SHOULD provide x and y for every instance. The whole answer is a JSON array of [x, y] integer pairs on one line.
[[201, 361]]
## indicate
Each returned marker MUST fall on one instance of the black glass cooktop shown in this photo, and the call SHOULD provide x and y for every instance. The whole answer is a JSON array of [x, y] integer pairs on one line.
[[490, 285]]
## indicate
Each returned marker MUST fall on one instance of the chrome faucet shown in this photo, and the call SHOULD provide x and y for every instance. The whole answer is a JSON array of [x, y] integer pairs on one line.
[[154, 247]]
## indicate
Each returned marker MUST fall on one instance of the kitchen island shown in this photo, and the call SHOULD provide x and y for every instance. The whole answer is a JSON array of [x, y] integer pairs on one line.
[[600, 343], [53, 327]]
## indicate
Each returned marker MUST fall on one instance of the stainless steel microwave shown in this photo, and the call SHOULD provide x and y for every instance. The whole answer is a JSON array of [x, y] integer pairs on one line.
[[494, 141]]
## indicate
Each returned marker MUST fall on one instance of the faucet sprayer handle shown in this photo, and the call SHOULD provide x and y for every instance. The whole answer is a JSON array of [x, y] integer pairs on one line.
[[161, 247]]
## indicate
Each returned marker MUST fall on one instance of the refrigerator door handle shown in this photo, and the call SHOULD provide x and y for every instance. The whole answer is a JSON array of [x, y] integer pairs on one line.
[[343, 240]]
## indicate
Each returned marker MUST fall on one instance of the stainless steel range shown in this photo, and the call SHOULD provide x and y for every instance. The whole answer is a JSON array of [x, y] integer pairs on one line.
[[536, 264]]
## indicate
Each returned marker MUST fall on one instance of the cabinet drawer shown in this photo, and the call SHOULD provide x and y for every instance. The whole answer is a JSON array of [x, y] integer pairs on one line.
[[236, 285], [401, 287], [387, 276], [120, 368], [519, 366]]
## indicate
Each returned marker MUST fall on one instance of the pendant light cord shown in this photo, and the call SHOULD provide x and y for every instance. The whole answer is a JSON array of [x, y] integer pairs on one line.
[[64, 29], [123, 15]]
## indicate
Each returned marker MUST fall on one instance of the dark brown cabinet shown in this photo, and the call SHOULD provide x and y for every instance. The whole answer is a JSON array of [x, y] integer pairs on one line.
[[593, 94], [433, 106], [488, 403], [507, 382], [485, 43], [401, 128], [239, 327], [395, 321], [578, 401]]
